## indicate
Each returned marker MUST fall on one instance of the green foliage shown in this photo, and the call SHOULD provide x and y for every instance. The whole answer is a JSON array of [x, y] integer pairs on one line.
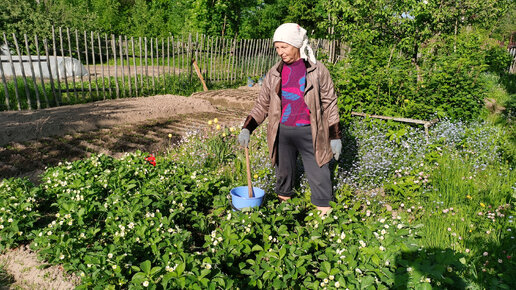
[[447, 80], [18, 212]]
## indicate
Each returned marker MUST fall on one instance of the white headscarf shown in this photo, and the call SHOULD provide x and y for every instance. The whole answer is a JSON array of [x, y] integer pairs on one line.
[[295, 35]]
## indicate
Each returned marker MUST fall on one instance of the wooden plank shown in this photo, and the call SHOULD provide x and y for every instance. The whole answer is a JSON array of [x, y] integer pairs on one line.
[[163, 62], [189, 56], [41, 69], [173, 57], [168, 54], [94, 63], [25, 84], [107, 62], [152, 64], [405, 120], [146, 67], [121, 56], [128, 67], [54, 49], [141, 64], [14, 77], [87, 62], [36, 90], [134, 65], [79, 58], [76, 96], [103, 78], [113, 48], [6, 90], [64, 65], [54, 93], [211, 58]]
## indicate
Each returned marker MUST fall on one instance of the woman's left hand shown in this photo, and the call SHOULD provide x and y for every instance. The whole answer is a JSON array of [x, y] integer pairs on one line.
[[336, 147]]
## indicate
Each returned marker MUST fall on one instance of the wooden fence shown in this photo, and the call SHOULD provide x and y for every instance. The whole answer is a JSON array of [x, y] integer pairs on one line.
[[40, 73], [512, 51]]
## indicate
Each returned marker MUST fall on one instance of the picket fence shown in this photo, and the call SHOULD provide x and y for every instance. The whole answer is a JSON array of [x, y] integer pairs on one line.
[[74, 67]]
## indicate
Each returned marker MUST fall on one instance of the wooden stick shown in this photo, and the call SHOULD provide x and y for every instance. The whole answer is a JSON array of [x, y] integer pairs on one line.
[[86, 53], [45, 45], [198, 71], [107, 62], [76, 96], [122, 71], [14, 77], [38, 103], [113, 47], [134, 66], [248, 167], [6, 90], [102, 67], [24, 77], [128, 68], [64, 65], [58, 78], [94, 63], [79, 58], [426, 124]]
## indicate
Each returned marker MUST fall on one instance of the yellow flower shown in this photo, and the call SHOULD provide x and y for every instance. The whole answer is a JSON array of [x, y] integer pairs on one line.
[[218, 127], [223, 134], [215, 120], [210, 122], [406, 100], [231, 129], [255, 176], [482, 204], [169, 135], [469, 196]]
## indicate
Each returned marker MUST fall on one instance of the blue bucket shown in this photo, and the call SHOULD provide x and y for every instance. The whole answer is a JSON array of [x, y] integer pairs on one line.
[[240, 197]]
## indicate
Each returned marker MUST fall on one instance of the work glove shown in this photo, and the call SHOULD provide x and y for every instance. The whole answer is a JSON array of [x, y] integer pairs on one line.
[[336, 147], [244, 137]]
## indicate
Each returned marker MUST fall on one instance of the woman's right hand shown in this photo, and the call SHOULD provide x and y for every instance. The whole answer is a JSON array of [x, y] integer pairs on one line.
[[244, 137]]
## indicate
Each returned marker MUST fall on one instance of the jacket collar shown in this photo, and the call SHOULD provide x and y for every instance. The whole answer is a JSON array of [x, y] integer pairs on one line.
[[310, 66]]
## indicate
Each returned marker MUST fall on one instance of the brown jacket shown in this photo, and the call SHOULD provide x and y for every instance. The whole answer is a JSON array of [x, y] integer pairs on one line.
[[320, 98]]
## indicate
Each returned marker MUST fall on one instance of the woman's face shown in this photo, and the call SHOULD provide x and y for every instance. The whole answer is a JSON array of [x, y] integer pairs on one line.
[[287, 52]]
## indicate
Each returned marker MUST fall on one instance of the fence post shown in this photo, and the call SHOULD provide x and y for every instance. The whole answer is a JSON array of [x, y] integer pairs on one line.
[[94, 65], [27, 92], [14, 77], [101, 67], [152, 64], [113, 47], [121, 54], [45, 44], [86, 54], [64, 64], [134, 65], [128, 67], [6, 90], [36, 91], [71, 64], [106, 41], [79, 57]]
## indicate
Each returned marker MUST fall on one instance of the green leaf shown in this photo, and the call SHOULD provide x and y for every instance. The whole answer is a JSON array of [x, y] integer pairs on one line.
[[257, 248], [146, 266]]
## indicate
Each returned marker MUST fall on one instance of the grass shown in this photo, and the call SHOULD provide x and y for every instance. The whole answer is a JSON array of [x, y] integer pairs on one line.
[[6, 280]]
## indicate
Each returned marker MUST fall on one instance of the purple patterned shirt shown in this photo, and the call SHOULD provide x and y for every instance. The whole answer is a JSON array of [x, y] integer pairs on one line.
[[294, 111]]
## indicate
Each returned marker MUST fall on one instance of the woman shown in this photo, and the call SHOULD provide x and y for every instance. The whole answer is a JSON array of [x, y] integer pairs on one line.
[[299, 98]]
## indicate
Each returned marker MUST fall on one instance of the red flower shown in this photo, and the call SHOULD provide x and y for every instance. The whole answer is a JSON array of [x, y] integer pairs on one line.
[[151, 159]]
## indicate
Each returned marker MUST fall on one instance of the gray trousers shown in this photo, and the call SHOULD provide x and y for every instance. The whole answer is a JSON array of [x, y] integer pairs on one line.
[[294, 140]]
